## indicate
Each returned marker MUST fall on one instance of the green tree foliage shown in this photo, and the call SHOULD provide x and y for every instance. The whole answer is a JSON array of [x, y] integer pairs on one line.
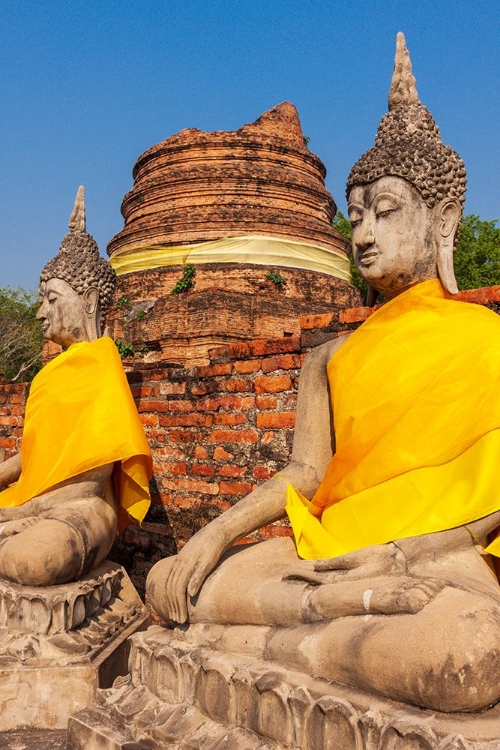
[[477, 257], [20, 334], [343, 227]]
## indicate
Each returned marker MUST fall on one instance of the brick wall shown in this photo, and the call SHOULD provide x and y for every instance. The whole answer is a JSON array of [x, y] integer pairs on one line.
[[216, 431], [12, 400]]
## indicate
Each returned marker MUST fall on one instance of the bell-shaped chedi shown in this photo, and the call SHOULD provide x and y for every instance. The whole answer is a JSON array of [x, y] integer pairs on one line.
[[240, 207]]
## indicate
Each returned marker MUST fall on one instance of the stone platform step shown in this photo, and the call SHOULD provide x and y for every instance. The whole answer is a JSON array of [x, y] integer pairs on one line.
[[183, 696], [41, 739]]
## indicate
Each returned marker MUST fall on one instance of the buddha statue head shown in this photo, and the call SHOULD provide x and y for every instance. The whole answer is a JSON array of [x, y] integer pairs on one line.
[[76, 287], [406, 194]]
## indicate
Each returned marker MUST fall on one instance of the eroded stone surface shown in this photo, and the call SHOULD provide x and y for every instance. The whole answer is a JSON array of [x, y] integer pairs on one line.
[[180, 695], [66, 623], [65, 642]]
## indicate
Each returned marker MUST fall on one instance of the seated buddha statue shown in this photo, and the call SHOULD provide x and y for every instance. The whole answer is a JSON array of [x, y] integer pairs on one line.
[[83, 469], [388, 583]]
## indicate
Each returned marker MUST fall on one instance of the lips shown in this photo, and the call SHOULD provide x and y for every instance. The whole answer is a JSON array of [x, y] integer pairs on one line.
[[368, 258]]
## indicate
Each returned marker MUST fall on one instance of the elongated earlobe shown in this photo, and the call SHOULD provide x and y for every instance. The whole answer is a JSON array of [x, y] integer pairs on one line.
[[92, 313], [448, 220], [91, 300]]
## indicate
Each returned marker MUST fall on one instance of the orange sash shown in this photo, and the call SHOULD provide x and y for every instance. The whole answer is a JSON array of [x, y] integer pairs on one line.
[[80, 414]]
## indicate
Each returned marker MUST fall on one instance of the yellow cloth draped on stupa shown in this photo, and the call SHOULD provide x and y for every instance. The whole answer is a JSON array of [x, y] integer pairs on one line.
[[415, 398], [80, 415]]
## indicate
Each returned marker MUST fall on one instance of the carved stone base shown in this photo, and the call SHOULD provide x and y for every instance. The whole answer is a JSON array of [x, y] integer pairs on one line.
[[60, 643], [184, 696]]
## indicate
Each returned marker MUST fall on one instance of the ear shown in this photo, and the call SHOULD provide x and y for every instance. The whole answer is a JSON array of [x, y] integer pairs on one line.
[[448, 214], [91, 297]]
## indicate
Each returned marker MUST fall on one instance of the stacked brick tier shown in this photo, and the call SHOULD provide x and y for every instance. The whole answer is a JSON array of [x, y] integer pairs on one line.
[[195, 187], [261, 179], [216, 431], [230, 303]]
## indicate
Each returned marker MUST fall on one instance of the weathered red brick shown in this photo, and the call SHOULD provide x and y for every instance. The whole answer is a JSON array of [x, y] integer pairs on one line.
[[181, 436], [200, 452], [226, 403], [199, 389], [273, 530], [206, 371], [191, 485], [9, 420], [202, 470], [178, 388], [155, 435], [355, 314], [8, 442], [233, 436], [180, 405], [308, 322], [222, 455], [154, 406], [283, 362], [276, 420], [262, 472], [235, 385], [169, 452], [186, 502], [273, 384], [168, 467], [149, 420], [16, 398], [266, 402], [235, 488], [249, 366]]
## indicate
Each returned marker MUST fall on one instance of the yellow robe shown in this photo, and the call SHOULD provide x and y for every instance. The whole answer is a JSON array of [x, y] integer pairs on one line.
[[415, 394], [80, 415]]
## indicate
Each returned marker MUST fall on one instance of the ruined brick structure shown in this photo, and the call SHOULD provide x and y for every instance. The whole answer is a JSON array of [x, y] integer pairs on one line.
[[238, 205], [215, 430]]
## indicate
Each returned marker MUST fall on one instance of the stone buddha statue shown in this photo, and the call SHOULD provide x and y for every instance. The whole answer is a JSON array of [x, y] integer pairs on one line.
[[392, 494], [85, 463]]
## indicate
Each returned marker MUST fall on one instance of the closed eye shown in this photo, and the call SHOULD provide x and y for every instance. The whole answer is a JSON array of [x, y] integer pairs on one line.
[[384, 214]]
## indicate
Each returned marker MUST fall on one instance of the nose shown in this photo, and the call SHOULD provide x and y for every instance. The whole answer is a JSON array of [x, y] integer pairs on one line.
[[364, 234], [42, 311]]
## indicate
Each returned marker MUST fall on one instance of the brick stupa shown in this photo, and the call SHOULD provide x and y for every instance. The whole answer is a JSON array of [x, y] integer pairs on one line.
[[250, 210]]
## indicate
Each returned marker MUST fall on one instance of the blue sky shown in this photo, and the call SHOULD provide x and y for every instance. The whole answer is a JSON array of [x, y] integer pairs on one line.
[[88, 86]]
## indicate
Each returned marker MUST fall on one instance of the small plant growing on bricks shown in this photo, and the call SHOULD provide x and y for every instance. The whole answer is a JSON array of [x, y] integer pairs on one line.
[[276, 278], [124, 349], [186, 282]]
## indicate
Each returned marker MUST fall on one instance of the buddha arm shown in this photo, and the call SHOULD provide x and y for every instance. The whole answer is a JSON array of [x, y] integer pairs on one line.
[[10, 470]]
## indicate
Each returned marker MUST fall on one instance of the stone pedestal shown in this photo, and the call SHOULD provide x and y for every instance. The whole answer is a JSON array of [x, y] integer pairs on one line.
[[59, 644], [181, 696]]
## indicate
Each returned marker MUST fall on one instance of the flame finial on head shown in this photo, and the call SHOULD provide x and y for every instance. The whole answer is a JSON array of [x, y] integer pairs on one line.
[[76, 221], [403, 89]]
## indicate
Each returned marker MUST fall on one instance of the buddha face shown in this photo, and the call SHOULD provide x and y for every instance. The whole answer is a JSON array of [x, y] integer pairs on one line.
[[66, 316], [393, 235]]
